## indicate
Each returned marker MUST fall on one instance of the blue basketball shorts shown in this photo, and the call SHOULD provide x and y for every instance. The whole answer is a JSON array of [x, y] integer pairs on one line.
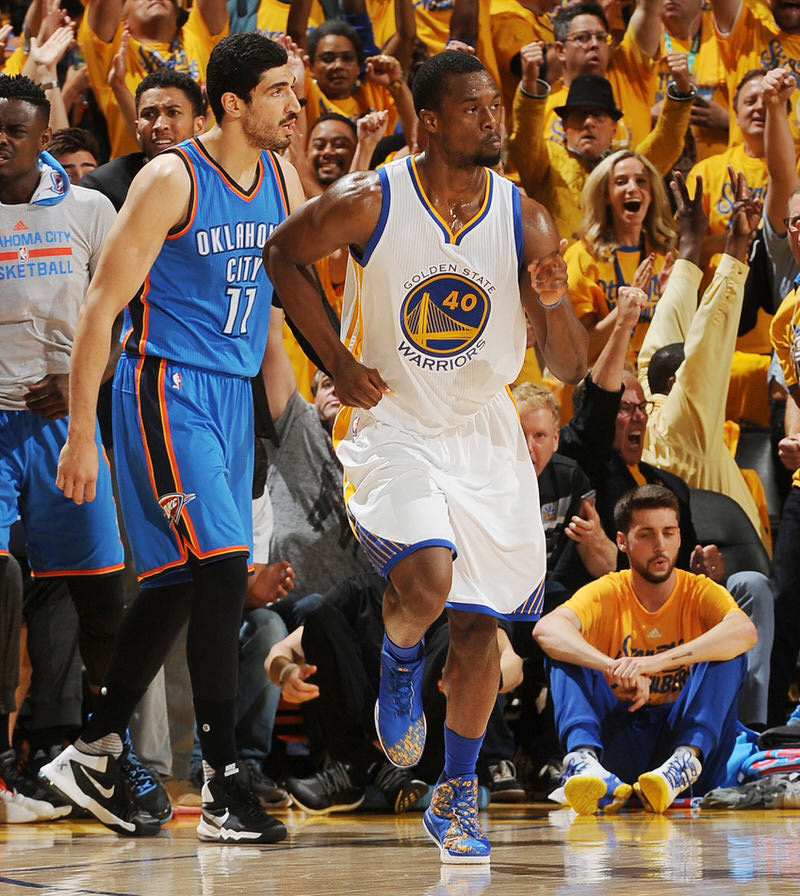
[[183, 452], [62, 538]]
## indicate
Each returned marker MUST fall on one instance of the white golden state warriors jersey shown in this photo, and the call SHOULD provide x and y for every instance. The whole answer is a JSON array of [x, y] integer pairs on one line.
[[437, 313]]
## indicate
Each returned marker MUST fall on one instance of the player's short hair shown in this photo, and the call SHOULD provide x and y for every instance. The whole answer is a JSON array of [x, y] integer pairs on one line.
[[663, 366], [18, 87], [334, 116], [67, 140], [565, 14], [168, 77], [431, 82], [341, 29], [645, 497], [236, 65], [534, 397]]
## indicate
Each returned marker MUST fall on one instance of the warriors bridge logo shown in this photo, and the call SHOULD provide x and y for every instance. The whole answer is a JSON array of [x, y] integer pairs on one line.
[[443, 317]]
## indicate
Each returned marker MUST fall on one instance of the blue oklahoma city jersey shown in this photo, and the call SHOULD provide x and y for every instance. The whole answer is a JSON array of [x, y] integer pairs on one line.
[[437, 313], [206, 300]]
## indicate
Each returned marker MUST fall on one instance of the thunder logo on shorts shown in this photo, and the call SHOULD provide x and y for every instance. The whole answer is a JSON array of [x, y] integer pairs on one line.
[[444, 315]]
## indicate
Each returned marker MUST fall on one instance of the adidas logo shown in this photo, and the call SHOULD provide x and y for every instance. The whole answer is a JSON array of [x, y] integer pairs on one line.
[[20, 225], [655, 633]]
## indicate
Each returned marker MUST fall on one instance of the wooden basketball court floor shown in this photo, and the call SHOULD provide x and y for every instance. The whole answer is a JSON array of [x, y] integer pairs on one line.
[[535, 849]]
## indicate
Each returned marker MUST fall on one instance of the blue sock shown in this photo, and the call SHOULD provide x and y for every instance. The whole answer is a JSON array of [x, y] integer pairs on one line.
[[403, 654], [460, 753]]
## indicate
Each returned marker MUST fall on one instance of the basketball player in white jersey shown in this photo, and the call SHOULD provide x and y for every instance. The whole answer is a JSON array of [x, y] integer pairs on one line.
[[445, 259]]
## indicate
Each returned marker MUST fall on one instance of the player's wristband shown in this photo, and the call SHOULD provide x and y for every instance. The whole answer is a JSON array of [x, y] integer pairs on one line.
[[554, 305]]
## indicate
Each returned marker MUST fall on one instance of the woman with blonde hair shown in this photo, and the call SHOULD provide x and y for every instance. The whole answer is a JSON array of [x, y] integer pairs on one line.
[[627, 237]]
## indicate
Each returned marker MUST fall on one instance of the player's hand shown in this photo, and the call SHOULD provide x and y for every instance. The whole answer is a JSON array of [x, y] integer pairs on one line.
[[707, 560], [296, 689], [272, 583], [636, 694], [357, 385], [49, 398], [77, 469], [549, 276], [626, 669]]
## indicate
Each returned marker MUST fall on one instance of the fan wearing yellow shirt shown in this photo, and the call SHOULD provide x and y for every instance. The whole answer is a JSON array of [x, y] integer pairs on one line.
[[583, 46], [688, 27], [161, 35], [335, 55], [748, 41], [645, 670], [628, 238]]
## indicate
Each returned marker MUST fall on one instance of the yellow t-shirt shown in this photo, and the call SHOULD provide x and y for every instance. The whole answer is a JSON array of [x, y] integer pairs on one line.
[[709, 76], [272, 16], [381, 14], [188, 53], [717, 195], [632, 75], [433, 29], [593, 285], [615, 623], [367, 97], [513, 26], [756, 43]]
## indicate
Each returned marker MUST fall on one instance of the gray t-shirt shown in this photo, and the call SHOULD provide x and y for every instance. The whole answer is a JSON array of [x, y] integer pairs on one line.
[[304, 480]]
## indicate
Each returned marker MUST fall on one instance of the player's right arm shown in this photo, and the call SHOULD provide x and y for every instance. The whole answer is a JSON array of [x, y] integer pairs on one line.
[[157, 201], [345, 215], [559, 635]]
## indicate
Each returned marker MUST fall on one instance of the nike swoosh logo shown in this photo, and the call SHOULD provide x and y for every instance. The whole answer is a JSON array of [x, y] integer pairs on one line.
[[106, 792]]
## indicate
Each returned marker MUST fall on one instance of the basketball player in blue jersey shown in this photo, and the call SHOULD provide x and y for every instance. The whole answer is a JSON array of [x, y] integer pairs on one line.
[[192, 229], [445, 259]]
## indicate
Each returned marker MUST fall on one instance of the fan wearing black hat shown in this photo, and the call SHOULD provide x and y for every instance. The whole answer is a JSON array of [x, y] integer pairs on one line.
[[554, 173]]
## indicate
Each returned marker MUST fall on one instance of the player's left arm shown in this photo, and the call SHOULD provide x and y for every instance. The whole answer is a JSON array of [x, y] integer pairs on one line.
[[543, 287], [733, 635]]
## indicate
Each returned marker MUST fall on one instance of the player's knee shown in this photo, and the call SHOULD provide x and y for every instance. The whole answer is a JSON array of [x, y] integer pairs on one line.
[[474, 634]]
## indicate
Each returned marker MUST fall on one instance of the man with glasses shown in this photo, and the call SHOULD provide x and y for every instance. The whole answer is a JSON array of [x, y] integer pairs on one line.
[[583, 46]]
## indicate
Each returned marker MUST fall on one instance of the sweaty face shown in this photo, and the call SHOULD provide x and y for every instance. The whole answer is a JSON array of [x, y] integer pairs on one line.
[[331, 148], [165, 117], [629, 193], [652, 543], [467, 124], [541, 436], [631, 424], [77, 163], [589, 132], [269, 118], [326, 401], [586, 50], [335, 66], [750, 110], [23, 135]]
